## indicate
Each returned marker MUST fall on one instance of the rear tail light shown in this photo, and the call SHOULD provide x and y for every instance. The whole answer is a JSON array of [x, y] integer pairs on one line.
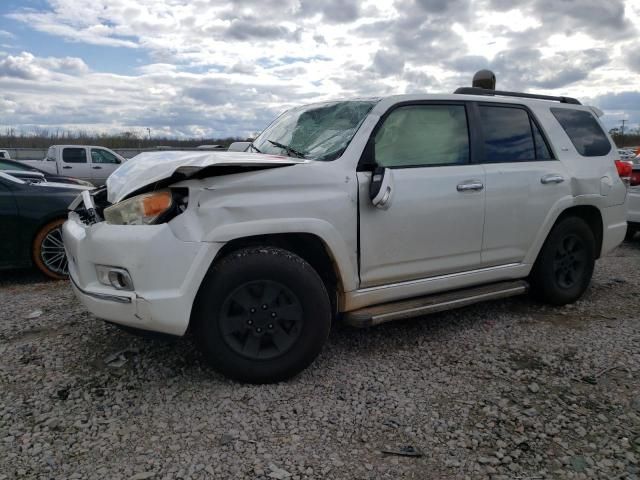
[[625, 169], [635, 178]]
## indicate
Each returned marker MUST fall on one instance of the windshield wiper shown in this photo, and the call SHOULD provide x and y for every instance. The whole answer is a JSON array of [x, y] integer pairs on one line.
[[288, 149], [251, 145]]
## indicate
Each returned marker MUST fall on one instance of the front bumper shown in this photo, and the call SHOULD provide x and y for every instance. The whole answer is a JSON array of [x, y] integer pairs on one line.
[[166, 272]]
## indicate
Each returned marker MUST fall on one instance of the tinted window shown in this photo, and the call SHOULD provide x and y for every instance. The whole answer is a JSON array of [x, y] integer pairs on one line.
[[4, 165], [542, 149], [74, 155], [584, 131], [3, 155], [423, 135], [507, 134], [102, 156]]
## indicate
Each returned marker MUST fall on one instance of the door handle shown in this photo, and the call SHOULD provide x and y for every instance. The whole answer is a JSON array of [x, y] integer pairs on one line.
[[66, 166], [97, 168], [552, 178], [470, 186]]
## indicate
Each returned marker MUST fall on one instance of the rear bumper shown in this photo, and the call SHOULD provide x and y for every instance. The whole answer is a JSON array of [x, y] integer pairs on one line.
[[614, 227], [166, 273]]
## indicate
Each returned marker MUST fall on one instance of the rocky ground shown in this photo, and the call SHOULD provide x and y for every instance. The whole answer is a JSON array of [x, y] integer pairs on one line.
[[507, 389]]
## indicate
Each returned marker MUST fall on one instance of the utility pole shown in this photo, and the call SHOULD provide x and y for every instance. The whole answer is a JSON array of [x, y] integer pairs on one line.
[[622, 133], [149, 131]]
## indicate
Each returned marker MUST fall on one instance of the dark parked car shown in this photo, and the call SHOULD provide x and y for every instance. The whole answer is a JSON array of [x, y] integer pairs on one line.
[[20, 170], [31, 217]]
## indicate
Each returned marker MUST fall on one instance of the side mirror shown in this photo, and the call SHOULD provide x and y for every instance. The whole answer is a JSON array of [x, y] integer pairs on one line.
[[381, 187]]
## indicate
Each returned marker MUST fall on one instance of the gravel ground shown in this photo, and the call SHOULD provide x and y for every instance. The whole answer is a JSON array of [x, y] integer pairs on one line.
[[507, 389]]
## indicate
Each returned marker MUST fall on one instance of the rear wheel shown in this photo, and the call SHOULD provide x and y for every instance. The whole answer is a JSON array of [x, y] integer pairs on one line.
[[262, 315], [565, 264], [48, 251]]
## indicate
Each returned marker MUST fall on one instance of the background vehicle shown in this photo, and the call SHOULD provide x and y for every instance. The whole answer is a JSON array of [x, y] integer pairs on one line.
[[633, 213], [378, 209], [4, 154], [20, 170], [239, 146], [626, 154], [90, 163], [31, 217]]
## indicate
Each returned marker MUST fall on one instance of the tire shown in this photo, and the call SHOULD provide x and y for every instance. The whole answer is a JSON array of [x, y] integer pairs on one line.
[[631, 233], [564, 266], [262, 315], [48, 251]]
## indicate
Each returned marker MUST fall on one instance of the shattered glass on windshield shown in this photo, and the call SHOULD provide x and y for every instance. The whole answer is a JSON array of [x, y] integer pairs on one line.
[[319, 132]]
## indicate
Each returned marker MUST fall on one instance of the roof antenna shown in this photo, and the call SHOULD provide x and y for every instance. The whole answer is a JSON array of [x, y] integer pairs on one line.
[[484, 79]]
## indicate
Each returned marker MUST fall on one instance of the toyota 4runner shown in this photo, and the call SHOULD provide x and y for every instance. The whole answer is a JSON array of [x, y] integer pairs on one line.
[[368, 210]]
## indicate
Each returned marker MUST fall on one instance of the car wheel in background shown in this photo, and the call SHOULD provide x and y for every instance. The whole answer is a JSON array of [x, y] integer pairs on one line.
[[48, 251], [262, 315], [564, 266]]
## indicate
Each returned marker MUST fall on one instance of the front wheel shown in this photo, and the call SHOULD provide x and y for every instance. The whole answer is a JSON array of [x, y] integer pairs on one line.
[[48, 251], [262, 315], [565, 264]]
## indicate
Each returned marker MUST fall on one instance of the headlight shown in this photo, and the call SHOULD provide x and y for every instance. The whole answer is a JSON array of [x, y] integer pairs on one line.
[[143, 209]]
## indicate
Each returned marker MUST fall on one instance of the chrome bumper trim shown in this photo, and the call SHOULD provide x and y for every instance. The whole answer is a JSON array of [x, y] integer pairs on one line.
[[101, 296]]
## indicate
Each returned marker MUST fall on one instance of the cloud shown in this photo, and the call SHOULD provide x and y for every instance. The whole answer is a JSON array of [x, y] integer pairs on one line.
[[28, 67], [633, 58], [524, 68], [333, 11], [618, 106], [220, 67], [387, 62], [250, 29]]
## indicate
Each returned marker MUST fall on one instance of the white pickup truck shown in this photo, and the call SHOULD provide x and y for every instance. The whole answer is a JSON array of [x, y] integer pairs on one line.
[[87, 162]]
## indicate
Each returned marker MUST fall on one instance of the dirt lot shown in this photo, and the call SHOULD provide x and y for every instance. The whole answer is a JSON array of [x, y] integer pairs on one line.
[[507, 389]]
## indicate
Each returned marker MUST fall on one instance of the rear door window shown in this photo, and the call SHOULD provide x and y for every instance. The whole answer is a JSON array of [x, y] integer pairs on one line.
[[74, 155], [584, 131], [507, 134]]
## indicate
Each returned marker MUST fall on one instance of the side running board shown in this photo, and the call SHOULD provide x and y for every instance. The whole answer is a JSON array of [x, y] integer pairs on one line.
[[413, 307]]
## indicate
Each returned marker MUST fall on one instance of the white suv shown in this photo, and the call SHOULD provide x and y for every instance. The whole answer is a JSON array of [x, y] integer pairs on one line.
[[368, 210]]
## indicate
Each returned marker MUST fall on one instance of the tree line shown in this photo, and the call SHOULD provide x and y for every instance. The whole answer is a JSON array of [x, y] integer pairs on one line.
[[628, 138], [44, 138]]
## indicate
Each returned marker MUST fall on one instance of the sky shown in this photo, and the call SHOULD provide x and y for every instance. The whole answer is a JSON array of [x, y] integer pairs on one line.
[[206, 68]]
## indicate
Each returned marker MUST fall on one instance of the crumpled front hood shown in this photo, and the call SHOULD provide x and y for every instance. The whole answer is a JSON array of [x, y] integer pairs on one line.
[[152, 167]]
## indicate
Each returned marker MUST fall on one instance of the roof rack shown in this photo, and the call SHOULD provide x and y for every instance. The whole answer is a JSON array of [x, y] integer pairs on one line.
[[487, 92]]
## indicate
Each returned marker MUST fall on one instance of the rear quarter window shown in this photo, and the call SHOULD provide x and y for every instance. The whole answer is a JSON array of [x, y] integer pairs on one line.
[[584, 131]]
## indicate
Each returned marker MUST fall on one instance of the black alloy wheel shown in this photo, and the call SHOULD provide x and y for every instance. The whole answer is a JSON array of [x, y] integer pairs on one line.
[[262, 315], [564, 266], [261, 319], [570, 261]]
